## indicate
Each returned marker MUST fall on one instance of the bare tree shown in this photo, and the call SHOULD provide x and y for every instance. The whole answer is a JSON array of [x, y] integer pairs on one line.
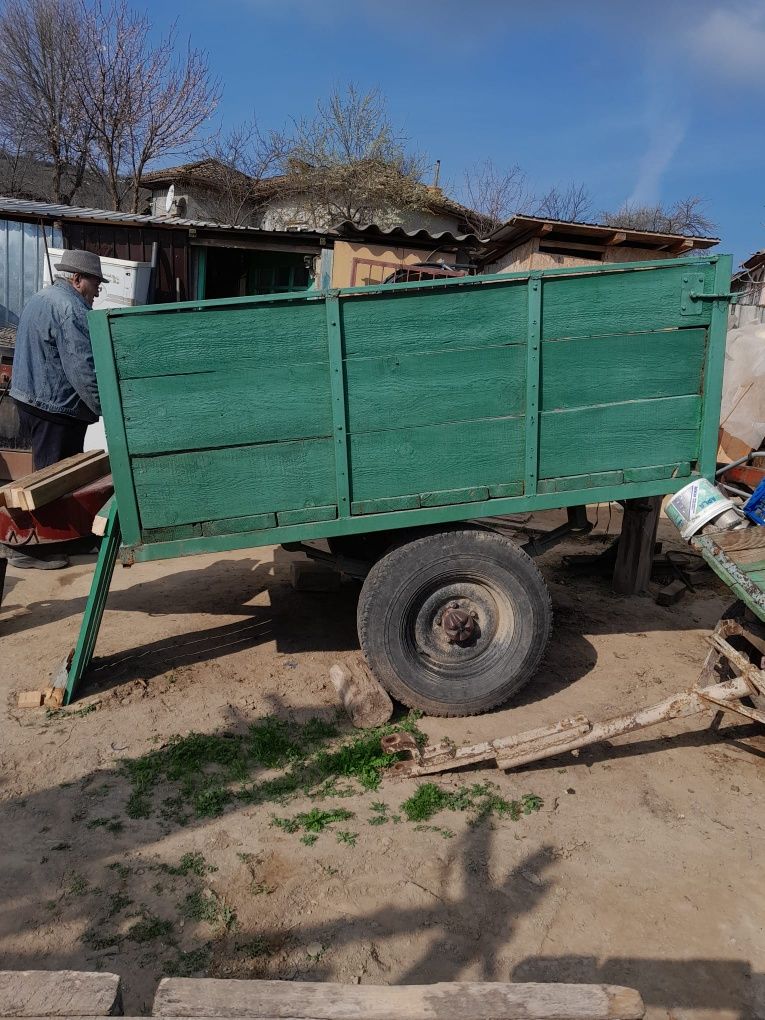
[[40, 52], [141, 100], [244, 157], [572, 203], [348, 162], [493, 195], [685, 216]]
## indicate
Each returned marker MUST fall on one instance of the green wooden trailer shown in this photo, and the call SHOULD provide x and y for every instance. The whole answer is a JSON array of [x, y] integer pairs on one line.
[[388, 420]]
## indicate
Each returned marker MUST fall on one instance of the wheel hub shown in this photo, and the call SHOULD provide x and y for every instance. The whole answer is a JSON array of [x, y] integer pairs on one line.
[[459, 624]]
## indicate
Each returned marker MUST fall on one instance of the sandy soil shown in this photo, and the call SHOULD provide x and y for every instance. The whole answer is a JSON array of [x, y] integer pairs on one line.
[[642, 868]]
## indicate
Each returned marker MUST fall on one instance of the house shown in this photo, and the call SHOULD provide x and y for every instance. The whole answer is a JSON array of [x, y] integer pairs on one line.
[[207, 189], [537, 242], [749, 283]]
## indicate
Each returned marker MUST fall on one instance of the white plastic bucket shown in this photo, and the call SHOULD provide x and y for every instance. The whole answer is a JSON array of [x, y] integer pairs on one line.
[[700, 503]]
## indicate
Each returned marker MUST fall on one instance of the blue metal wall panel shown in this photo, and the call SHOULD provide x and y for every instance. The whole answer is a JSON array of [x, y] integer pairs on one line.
[[21, 264]]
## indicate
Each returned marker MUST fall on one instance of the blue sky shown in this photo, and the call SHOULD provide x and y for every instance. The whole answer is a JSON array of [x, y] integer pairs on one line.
[[640, 100]]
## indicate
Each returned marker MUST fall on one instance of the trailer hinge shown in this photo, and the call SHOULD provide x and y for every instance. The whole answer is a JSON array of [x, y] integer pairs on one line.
[[693, 294]]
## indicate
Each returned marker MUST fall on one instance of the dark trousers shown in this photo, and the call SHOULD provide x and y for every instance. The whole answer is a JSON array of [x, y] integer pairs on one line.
[[52, 441]]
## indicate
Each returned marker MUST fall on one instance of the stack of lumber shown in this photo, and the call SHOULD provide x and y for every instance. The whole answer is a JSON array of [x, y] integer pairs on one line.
[[42, 487]]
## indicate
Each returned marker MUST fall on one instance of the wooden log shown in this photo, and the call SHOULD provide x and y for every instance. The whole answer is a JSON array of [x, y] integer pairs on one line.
[[59, 993], [30, 699], [44, 491], [364, 699], [463, 1000], [634, 555]]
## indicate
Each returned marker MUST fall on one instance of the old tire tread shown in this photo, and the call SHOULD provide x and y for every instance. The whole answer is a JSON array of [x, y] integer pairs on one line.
[[383, 577]]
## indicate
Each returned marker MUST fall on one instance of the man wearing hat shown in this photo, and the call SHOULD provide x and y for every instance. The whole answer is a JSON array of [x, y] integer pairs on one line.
[[54, 379]]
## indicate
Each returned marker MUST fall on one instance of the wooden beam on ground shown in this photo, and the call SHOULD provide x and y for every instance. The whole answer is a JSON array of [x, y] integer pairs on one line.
[[634, 554], [463, 1000], [59, 993], [41, 488]]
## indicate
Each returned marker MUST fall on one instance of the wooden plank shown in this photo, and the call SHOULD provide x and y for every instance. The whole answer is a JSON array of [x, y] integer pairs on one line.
[[644, 474], [40, 493], [713, 372], [446, 497], [634, 554], [59, 993], [432, 319], [171, 534], [160, 342], [437, 457], [616, 436], [185, 488], [570, 482], [337, 384], [423, 389], [111, 406], [14, 491], [233, 525], [600, 303], [381, 506], [95, 604], [533, 366], [226, 407], [506, 489], [306, 515], [612, 369], [463, 1000]]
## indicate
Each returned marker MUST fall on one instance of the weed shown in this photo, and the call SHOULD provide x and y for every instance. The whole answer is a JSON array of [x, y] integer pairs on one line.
[[98, 941], [380, 813], [113, 824], [73, 713], [198, 907], [79, 816], [314, 820], [189, 864], [254, 947], [122, 869], [329, 870], [343, 836], [444, 833], [149, 928], [78, 886], [227, 916], [117, 902], [330, 788], [481, 799], [138, 805], [377, 820], [309, 839], [189, 964], [51, 904], [158, 888]]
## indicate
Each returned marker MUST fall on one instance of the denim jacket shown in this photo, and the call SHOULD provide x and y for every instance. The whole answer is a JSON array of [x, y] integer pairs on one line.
[[53, 361]]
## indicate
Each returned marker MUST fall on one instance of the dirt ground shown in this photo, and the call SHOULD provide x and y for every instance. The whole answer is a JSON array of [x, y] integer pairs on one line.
[[643, 867]]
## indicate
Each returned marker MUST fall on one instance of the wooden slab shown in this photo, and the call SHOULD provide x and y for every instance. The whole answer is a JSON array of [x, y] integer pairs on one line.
[[65, 479], [13, 491], [463, 1000], [60, 993]]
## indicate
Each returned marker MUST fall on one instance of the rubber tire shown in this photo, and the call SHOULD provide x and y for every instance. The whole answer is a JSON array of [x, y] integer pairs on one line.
[[411, 566]]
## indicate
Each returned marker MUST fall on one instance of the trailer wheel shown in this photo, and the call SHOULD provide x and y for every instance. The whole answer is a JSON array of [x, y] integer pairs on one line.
[[454, 622]]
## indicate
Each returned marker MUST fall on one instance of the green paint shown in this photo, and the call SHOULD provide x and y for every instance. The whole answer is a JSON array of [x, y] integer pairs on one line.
[[506, 489], [565, 484], [381, 506], [233, 525], [305, 516], [454, 496], [338, 390], [643, 474], [533, 364], [713, 370]]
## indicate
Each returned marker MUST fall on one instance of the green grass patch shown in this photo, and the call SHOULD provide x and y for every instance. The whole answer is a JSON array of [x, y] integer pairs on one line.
[[211, 770], [209, 908], [189, 864], [480, 800], [113, 824], [189, 964], [118, 902], [313, 821], [344, 836]]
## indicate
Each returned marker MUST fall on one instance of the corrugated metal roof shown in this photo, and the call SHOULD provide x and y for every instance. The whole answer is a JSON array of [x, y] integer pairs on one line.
[[399, 233], [521, 227], [49, 211]]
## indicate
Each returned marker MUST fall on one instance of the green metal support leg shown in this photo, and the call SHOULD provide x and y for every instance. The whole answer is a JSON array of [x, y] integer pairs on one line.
[[94, 608]]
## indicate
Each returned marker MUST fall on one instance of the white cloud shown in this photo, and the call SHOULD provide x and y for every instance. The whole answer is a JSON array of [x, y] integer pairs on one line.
[[730, 42]]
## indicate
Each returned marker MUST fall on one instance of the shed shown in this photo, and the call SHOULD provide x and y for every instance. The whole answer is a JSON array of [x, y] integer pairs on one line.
[[537, 242]]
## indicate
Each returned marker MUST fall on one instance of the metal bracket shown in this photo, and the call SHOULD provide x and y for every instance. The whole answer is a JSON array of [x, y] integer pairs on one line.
[[693, 284]]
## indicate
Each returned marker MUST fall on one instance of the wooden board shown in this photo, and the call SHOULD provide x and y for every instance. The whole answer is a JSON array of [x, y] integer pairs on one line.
[[158, 342], [459, 1000], [233, 481], [430, 389], [632, 366], [226, 407], [43, 487], [14, 491], [58, 993]]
